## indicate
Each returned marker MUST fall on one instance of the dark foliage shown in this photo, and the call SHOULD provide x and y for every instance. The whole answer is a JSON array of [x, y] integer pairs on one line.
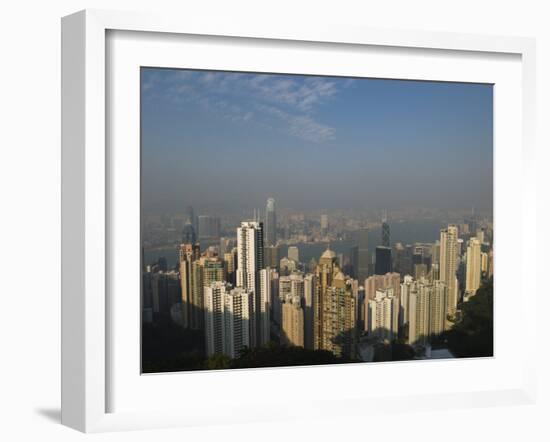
[[168, 347], [396, 351], [472, 335], [275, 355]]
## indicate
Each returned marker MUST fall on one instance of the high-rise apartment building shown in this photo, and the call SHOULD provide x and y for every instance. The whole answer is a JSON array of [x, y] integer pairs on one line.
[[267, 294], [292, 331], [484, 263], [405, 293], [448, 265], [438, 308], [383, 314], [323, 276], [473, 267], [309, 295], [339, 319], [214, 309], [230, 266], [334, 309], [427, 311], [237, 316], [188, 253], [377, 282], [270, 223], [204, 271], [250, 260]]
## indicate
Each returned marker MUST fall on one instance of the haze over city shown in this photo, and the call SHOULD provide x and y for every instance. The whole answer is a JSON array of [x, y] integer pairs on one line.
[[313, 142]]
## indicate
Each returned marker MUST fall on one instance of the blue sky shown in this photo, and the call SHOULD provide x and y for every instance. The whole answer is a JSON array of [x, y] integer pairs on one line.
[[220, 140]]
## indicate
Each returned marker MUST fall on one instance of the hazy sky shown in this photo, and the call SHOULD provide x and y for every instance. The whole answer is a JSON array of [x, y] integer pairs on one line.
[[217, 139]]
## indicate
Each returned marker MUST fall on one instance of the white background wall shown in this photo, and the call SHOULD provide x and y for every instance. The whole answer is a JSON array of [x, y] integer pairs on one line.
[[30, 214]]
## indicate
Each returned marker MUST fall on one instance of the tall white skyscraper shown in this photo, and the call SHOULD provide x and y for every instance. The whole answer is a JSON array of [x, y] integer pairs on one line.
[[448, 265], [227, 319], [237, 315], [383, 314], [473, 266], [427, 310], [250, 260], [214, 300]]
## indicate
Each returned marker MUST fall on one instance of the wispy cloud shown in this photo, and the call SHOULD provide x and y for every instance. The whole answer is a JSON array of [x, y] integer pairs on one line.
[[285, 103]]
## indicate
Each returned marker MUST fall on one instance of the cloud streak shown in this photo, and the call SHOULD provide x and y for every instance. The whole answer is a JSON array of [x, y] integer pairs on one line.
[[284, 103]]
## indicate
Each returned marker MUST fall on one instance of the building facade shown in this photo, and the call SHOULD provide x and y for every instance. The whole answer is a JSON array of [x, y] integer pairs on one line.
[[250, 260]]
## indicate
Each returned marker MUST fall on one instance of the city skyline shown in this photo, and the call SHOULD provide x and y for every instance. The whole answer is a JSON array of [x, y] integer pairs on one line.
[[389, 143], [284, 220]]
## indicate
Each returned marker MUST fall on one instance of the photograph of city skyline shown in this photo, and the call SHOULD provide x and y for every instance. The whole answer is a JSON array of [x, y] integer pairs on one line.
[[291, 220]]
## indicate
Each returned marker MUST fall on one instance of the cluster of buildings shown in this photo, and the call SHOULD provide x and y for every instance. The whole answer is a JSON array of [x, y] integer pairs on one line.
[[240, 294]]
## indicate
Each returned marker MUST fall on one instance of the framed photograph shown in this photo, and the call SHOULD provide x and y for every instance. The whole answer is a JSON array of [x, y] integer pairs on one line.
[[322, 217]]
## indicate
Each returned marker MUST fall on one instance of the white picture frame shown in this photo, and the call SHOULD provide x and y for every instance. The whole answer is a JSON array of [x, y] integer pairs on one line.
[[86, 202]]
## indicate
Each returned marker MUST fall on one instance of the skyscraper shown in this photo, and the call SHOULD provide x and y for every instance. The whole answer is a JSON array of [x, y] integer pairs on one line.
[[292, 332], [438, 308], [448, 265], [405, 294], [250, 260], [383, 262], [339, 325], [214, 300], [230, 266], [377, 282], [323, 276], [270, 223], [427, 311], [363, 258], [334, 309], [188, 253], [473, 266], [204, 271], [382, 314], [237, 314], [265, 301], [309, 291], [484, 263], [419, 314]]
